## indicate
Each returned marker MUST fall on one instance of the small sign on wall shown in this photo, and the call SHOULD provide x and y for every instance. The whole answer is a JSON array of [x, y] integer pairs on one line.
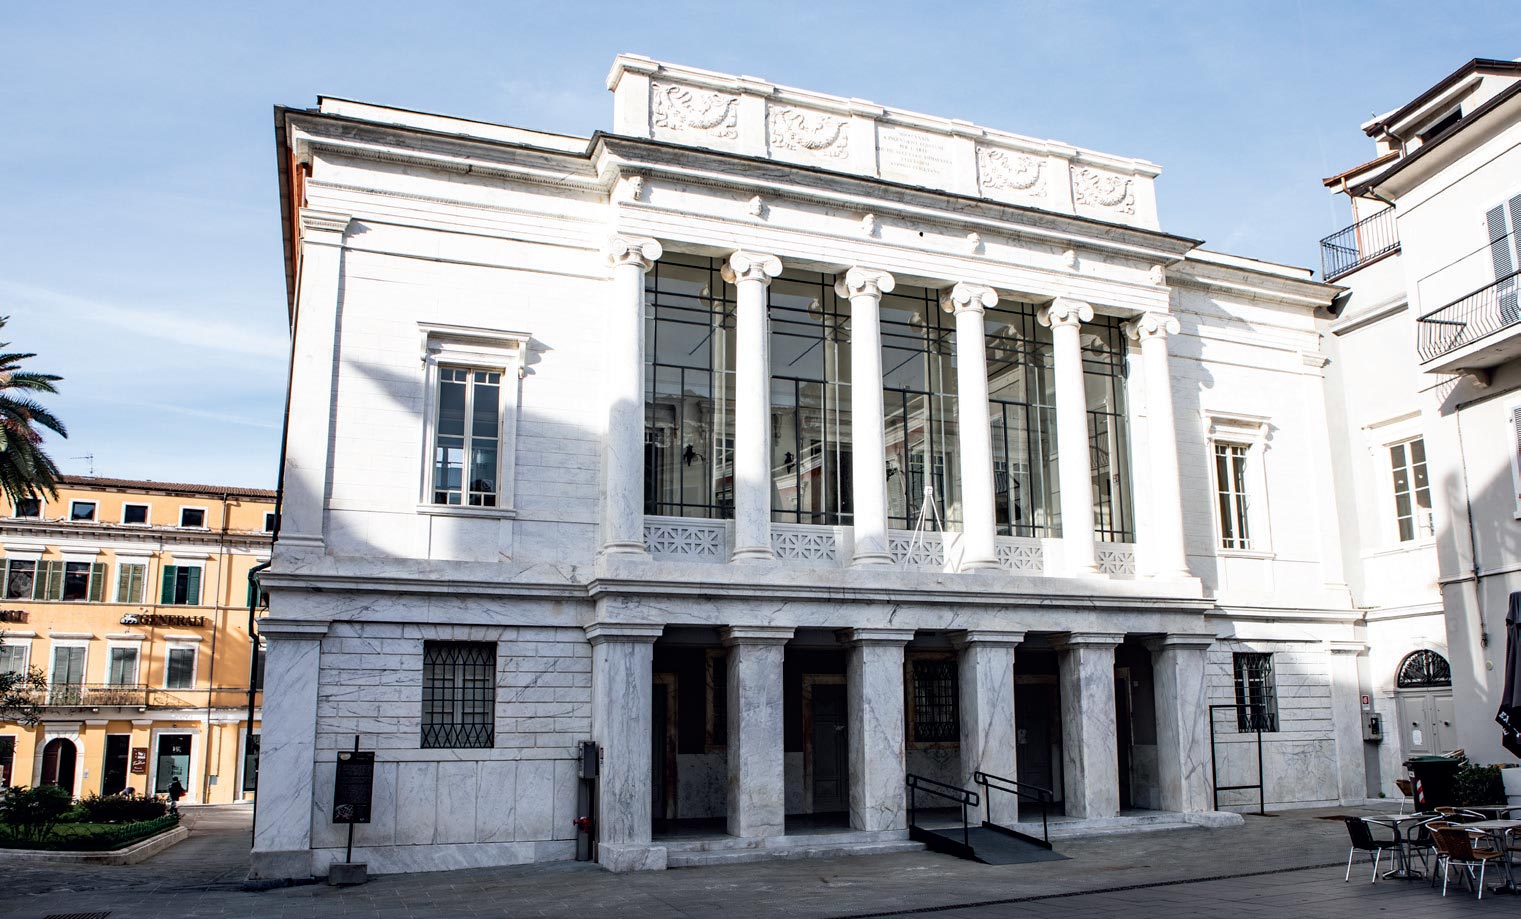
[[139, 761], [352, 786]]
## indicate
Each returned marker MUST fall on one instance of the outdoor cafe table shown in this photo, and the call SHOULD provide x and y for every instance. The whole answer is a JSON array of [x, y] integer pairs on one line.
[[1499, 830], [1492, 811], [1396, 822]]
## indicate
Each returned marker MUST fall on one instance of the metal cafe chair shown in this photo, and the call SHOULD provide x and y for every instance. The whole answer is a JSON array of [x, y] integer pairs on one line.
[[1362, 840], [1460, 850], [1407, 792]]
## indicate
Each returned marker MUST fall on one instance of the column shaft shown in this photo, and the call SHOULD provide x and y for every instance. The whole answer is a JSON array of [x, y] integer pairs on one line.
[[622, 684], [874, 699], [1090, 742], [287, 750], [1167, 550], [1075, 471], [979, 521], [868, 441], [751, 275], [623, 468], [986, 675], [1347, 722], [757, 762], [1182, 711]]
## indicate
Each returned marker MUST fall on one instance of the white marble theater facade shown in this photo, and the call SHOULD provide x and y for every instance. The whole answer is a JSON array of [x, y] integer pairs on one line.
[[784, 445]]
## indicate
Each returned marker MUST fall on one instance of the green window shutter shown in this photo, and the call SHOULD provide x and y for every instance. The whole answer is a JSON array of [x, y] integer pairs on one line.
[[49, 584], [168, 594], [193, 587], [98, 582]]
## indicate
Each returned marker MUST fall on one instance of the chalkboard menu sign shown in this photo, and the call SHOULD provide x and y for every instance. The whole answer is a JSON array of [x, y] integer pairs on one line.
[[353, 786]]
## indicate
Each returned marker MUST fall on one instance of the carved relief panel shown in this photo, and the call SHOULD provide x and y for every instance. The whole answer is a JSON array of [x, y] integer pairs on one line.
[[808, 136]]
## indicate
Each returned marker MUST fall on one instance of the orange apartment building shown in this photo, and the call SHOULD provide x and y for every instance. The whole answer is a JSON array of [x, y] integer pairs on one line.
[[133, 598]]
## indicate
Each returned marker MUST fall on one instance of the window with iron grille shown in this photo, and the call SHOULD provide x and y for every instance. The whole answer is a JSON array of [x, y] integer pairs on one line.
[[1423, 670], [935, 702], [1256, 692], [459, 694]]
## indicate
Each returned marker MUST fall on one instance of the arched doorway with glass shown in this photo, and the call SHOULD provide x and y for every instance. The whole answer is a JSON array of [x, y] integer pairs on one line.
[[59, 759], [1423, 698]]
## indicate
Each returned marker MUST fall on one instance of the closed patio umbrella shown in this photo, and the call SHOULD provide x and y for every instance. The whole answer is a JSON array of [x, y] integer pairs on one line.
[[1509, 715]]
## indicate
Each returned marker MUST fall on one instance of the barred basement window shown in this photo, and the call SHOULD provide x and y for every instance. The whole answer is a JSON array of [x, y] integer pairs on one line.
[[459, 694], [1256, 692], [936, 719], [1423, 670]]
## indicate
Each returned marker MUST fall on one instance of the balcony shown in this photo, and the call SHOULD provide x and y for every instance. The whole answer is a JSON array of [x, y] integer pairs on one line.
[[129, 695], [1470, 333], [1365, 241]]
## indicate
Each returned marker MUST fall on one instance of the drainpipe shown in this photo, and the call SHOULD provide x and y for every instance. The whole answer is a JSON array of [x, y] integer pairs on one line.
[[1473, 546], [222, 601], [253, 657]]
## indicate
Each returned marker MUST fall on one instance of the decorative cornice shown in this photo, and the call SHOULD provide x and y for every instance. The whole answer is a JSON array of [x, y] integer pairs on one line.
[[756, 635], [1063, 312], [969, 298], [986, 637], [107, 535], [1185, 642], [314, 222], [603, 632], [750, 266], [292, 629], [855, 637], [1151, 325], [1070, 640], [638, 251], [864, 282]]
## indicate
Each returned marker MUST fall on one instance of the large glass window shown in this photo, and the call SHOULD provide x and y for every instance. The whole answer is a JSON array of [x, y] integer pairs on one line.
[[810, 400], [689, 389], [1022, 406], [919, 406], [465, 445], [1230, 494], [1412, 491], [1108, 429]]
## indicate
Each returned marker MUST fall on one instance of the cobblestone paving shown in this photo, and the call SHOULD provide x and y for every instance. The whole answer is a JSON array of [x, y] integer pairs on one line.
[[1286, 866]]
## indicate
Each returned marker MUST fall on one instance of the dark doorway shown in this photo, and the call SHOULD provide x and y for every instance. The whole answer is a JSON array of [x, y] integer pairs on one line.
[[58, 764], [1123, 739], [114, 775], [663, 713], [830, 742], [1035, 707], [173, 762]]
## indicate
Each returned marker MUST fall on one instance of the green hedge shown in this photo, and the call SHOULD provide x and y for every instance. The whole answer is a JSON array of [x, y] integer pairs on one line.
[[92, 837]]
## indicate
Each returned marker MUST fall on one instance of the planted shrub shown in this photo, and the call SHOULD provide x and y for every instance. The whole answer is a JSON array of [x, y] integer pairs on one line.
[[120, 808], [32, 813], [1475, 784]]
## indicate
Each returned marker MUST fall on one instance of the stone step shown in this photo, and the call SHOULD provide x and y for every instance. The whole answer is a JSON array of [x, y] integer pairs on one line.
[[721, 843], [698, 858]]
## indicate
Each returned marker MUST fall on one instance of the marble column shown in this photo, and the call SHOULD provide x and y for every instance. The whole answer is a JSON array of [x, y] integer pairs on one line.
[[1074, 471], [751, 275], [874, 701], [1332, 565], [287, 749], [313, 362], [868, 462], [1163, 530], [757, 762], [623, 468], [622, 683], [1090, 742], [1347, 721], [978, 514], [986, 676], [1182, 710]]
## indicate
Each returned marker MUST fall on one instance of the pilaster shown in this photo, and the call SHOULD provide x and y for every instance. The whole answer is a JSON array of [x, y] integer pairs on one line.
[[623, 467], [287, 749], [874, 699], [1346, 720], [1163, 530], [1182, 714], [988, 740], [757, 762], [1090, 743], [622, 682]]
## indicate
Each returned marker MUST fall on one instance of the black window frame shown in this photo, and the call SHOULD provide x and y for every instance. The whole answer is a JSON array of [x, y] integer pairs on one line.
[[458, 695], [1423, 669], [936, 700], [1256, 684]]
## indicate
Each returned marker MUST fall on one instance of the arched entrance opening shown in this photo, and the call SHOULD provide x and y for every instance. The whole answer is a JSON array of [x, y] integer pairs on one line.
[[1423, 686], [58, 759]]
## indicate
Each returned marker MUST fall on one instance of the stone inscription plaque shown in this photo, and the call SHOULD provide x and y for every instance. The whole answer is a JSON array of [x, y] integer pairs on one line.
[[353, 785], [914, 157]]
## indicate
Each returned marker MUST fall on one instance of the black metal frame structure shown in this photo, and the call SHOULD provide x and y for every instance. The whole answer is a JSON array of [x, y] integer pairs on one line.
[[1214, 762]]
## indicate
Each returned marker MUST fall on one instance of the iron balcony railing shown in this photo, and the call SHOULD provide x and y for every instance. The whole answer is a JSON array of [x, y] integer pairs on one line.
[[1357, 245], [1468, 319], [99, 695]]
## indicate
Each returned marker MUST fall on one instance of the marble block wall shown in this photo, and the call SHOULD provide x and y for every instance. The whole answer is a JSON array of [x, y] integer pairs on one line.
[[437, 809]]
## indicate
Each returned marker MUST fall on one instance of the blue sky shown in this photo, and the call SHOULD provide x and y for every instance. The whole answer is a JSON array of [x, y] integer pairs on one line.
[[139, 230]]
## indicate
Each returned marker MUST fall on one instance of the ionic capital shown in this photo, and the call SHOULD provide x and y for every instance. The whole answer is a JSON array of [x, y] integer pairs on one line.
[[748, 266], [965, 298], [1151, 325], [633, 250], [1064, 312], [864, 282]]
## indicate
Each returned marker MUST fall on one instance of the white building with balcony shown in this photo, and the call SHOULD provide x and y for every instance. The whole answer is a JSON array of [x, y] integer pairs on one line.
[[786, 446], [1426, 371]]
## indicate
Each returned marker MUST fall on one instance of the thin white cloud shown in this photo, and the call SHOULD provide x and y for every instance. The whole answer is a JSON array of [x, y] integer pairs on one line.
[[224, 417], [198, 331]]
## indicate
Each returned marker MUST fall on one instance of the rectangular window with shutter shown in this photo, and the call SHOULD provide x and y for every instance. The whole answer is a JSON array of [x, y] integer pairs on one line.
[[1515, 456], [181, 585], [1502, 222], [123, 667], [180, 671], [20, 576], [131, 582]]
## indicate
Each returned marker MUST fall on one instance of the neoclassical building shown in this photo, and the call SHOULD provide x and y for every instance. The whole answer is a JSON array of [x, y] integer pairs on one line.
[[784, 445]]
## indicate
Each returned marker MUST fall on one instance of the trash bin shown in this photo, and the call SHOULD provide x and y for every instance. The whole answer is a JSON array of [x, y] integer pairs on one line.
[[1435, 780]]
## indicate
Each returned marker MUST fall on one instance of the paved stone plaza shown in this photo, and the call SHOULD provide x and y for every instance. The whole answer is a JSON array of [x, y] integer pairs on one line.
[[1286, 866]]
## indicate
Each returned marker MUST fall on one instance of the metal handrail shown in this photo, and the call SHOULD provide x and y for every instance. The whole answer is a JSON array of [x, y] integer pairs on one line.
[[1020, 789], [1352, 247], [1469, 318], [918, 783]]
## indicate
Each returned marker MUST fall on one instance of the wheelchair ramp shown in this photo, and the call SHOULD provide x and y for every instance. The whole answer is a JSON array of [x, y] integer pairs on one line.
[[988, 844]]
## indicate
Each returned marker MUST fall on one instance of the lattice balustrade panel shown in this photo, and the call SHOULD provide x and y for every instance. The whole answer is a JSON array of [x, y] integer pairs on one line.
[[1117, 559], [814, 545], [1021, 556], [686, 539], [929, 552]]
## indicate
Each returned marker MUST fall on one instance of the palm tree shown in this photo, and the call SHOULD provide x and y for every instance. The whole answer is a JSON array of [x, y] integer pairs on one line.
[[26, 470]]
